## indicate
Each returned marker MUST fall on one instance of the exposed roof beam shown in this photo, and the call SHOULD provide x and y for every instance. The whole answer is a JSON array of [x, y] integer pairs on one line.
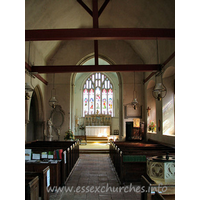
[[100, 34], [95, 25], [168, 59], [30, 69], [153, 73], [94, 68], [85, 7], [103, 7], [95, 14]]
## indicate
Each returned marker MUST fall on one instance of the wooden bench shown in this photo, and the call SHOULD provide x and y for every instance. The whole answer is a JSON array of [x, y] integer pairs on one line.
[[55, 171], [70, 156], [43, 175], [129, 158], [74, 152], [159, 196], [150, 187], [31, 188]]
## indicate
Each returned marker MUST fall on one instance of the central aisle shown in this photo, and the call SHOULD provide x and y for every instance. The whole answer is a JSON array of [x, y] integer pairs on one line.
[[92, 176]]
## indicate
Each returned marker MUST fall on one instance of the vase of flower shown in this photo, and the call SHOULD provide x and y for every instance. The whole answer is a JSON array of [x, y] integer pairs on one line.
[[69, 135], [152, 126]]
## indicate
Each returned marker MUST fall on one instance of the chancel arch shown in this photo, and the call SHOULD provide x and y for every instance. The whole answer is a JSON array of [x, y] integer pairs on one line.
[[114, 82]]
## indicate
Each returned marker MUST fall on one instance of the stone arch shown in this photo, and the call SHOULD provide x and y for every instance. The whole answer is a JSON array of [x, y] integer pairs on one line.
[[35, 127], [72, 89], [169, 71]]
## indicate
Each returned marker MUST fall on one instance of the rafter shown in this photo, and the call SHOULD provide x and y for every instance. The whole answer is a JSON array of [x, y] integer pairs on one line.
[[153, 73], [103, 7], [85, 7], [30, 69]]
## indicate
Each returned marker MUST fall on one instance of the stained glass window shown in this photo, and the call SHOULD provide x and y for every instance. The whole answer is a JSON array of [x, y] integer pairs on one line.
[[91, 102], [104, 101], [110, 102], [97, 95], [85, 101]]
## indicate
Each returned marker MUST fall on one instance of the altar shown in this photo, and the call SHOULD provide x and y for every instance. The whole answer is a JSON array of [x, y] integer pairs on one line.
[[98, 125], [98, 131]]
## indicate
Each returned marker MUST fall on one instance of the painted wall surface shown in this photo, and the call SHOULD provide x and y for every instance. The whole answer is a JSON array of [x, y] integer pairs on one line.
[[168, 139], [151, 103], [62, 86]]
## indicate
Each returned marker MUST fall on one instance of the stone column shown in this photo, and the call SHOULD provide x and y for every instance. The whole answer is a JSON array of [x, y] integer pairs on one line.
[[121, 115], [72, 109], [26, 123]]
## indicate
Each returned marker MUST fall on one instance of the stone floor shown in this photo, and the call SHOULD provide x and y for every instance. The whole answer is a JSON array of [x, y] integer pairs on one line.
[[94, 178]]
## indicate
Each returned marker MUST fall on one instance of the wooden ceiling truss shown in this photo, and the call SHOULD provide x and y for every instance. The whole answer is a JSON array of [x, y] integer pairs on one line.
[[96, 34]]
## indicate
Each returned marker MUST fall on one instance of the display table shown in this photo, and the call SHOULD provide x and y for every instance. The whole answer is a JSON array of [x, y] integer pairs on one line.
[[98, 131]]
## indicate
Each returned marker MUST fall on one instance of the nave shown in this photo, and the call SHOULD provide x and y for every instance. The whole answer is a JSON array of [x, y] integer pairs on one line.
[[96, 173]]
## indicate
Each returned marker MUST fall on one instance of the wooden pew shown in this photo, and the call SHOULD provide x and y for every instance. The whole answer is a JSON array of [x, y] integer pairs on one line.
[[55, 171], [159, 196], [74, 153], [129, 158], [63, 165], [71, 148], [42, 181], [150, 187], [31, 188]]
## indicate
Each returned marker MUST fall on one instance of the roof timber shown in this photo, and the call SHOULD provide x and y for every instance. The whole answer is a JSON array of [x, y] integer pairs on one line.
[[95, 68], [100, 34]]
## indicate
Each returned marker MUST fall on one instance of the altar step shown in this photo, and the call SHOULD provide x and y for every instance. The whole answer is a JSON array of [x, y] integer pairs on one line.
[[93, 151], [91, 139]]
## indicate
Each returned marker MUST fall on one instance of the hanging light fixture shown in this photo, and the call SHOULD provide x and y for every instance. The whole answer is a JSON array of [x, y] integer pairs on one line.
[[53, 101], [159, 90], [134, 102]]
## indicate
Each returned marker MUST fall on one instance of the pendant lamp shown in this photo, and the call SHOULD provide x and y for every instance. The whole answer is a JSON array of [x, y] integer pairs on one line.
[[53, 101], [159, 90]]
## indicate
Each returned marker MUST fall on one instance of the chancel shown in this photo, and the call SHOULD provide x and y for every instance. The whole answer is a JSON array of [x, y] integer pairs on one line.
[[85, 60]]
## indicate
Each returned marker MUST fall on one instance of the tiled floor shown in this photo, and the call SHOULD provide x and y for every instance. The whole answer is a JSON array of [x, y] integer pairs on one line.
[[94, 178]]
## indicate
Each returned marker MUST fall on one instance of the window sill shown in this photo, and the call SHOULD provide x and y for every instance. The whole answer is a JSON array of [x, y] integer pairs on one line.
[[150, 132]]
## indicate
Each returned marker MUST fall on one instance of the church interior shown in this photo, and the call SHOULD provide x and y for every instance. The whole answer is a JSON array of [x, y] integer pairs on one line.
[[100, 91]]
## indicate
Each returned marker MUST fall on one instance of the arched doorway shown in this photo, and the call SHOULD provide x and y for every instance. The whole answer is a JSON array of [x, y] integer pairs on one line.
[[36, 124]]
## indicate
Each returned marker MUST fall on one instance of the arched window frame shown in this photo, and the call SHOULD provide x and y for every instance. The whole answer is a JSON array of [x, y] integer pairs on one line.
[[93, 82]]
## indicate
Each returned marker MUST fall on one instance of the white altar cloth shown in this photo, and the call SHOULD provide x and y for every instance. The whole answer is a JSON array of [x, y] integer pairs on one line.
[[98, 131]]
